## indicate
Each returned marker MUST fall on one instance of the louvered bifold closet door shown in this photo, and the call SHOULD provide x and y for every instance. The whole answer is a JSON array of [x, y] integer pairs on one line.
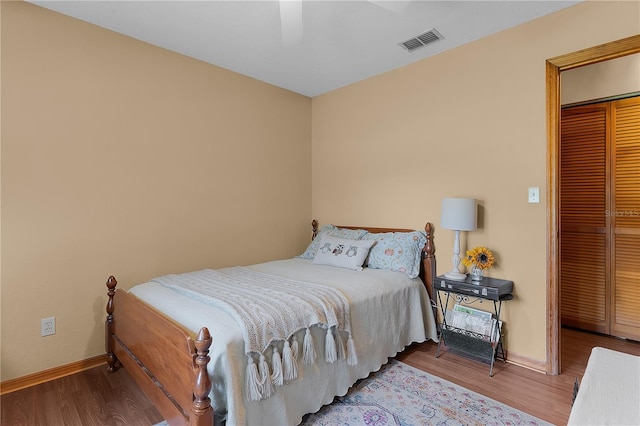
[[625, 218], [583, 222]]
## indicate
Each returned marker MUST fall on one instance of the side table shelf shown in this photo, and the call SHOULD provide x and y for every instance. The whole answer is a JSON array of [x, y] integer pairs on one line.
[[478, 346], [470, 344]]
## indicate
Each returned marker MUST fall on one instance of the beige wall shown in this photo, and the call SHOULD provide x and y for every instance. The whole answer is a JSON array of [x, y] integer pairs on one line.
[[122, 158], [604, 79], [469, 122]]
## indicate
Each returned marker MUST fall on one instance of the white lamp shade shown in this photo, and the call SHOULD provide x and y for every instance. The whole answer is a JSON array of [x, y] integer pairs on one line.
[[459, 214]]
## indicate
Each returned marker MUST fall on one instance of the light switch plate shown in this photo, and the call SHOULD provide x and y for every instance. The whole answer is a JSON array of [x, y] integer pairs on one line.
[[534, 194]]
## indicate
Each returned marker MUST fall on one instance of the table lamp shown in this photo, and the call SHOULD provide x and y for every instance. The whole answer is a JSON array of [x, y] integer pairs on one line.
[[458, 214]]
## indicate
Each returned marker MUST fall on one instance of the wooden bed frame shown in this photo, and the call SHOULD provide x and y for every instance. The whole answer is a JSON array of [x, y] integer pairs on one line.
[[168, 364]]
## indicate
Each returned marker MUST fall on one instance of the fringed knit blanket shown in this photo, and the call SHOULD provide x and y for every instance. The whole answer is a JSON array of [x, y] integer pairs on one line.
[[271, 310]]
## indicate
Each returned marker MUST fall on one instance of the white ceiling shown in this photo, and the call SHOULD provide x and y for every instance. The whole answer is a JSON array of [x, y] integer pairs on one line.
[[343, 41]]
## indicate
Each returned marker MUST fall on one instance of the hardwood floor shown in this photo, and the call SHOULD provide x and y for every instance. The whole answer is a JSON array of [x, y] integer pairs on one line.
[[95, 397], [91, 397], [546, 397]]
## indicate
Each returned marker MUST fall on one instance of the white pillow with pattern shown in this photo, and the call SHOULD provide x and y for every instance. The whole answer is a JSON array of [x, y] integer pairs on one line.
[[342, 252]]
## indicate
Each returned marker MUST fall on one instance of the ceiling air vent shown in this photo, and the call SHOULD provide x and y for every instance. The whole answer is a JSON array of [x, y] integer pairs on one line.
[[421, 40]]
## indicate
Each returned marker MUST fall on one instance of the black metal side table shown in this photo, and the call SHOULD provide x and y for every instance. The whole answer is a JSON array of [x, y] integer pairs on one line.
[[476, 345]]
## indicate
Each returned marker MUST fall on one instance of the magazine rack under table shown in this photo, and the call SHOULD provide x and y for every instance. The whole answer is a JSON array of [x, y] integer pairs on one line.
[[484, 346]]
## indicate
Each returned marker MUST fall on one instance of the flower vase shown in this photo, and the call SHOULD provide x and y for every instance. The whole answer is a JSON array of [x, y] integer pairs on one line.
[[476, 273]]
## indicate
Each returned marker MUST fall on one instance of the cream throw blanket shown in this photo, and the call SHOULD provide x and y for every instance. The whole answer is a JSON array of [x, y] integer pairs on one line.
[[271, 310]]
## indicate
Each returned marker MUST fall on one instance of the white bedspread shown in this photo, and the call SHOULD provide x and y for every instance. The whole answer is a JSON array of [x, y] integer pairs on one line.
[[609, 392], [389, 311]]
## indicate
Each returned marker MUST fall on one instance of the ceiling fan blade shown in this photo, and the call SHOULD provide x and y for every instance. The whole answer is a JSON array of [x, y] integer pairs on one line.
[[395, 6], [291, 22]]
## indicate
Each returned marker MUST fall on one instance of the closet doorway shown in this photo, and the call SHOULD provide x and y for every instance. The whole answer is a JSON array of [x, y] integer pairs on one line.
[[599, 216], [554, 66]]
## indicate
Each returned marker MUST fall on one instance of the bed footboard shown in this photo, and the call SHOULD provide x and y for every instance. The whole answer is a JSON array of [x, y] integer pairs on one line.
[[162, 357]]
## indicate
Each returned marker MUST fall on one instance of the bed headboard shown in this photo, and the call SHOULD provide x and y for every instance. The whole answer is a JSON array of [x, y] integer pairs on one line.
[[428, 266]]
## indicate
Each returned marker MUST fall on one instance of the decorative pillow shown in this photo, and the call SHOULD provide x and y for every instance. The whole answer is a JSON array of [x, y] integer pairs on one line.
[[342, 252], [397, 251], [352, 234]]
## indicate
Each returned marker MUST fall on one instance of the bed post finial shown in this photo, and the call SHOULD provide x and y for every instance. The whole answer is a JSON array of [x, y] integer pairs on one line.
[[108, 326], [201, 411], [314, 228], [429, 248]]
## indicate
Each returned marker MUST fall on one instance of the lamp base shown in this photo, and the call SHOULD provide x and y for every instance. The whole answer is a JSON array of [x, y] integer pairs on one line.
[[454, 275]]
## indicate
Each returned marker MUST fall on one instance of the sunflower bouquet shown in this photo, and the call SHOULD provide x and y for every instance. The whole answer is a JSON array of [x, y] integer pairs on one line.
[[479, 257]]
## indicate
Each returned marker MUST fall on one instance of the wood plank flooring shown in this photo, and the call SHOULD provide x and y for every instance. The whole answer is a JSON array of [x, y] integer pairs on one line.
[[91, 397], [546, 397], [95, 397]]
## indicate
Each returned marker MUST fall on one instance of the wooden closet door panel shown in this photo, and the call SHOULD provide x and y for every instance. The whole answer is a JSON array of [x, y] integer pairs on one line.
[[626, 290], [625, 218], [583, 278], [583, 169], [583, 224]]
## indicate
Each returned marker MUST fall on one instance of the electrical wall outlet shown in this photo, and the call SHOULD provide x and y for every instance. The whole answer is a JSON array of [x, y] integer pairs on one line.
[[48, 326]]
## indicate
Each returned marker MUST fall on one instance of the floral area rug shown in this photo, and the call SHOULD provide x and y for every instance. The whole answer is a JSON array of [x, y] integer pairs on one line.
[[399, 394]]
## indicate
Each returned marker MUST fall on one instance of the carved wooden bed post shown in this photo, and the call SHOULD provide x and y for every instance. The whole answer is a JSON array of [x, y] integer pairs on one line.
[[429, 261], [201, 411], [314, 228], [108, 326]]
